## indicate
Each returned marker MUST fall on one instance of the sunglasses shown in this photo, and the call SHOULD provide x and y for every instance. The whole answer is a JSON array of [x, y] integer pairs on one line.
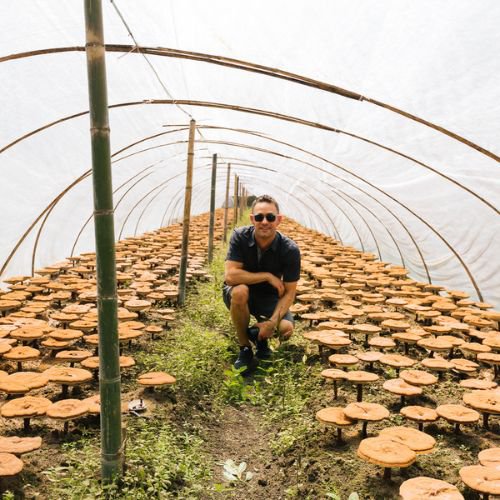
[[270, 217]]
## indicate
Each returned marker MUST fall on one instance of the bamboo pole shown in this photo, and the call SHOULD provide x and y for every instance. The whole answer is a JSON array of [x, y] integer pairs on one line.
[[212, 210], [226, 204], [107, 305], [187, 214], [235, 199]]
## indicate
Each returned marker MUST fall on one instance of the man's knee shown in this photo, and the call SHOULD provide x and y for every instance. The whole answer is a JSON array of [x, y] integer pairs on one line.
[[286, 328], [239, 295]]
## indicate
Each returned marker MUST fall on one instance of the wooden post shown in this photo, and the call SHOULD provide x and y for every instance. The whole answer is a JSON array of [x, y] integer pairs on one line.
[[107, 304], [212, 210], [235, 200], [187, 213], [226, 207]]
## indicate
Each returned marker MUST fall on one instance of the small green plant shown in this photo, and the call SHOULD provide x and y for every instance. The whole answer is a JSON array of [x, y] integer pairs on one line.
[[235, 389]]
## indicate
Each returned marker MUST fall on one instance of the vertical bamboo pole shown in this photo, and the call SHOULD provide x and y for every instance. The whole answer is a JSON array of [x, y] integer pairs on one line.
[[187, 213], [226, 207], [235, 199], [107, 305], [212, 210]]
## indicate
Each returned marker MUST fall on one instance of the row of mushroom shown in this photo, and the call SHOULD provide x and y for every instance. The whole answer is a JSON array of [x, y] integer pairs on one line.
[[383, 333]]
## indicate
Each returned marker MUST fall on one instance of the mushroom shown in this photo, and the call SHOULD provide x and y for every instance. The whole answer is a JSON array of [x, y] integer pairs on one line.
[[387, 453], [407, 338], [418, 441], [343, 360], [401, 388], [14, 383], [153, 330], [421, 487], [418, 377], [21, 354], [486, 480], [26, 408], [19, 445], [397, 361], [366, 412], [490, 358], [10, 465], [155, 379], [435, 345], [334, 375], [336, 417], [476, 383], [490, 457], [487, 402], [361, 378], [382, 343], [66, 410], [68, 376], [73, 356], [419, 414], [457, 414], [369, 357], [366, 329], [437, 364]]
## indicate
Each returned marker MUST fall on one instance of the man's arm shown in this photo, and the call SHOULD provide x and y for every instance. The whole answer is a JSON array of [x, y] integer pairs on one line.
[[234, 274], [267, 328]]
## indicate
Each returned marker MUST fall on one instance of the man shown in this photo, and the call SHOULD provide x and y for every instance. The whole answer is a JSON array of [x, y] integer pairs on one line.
[[261, 273]]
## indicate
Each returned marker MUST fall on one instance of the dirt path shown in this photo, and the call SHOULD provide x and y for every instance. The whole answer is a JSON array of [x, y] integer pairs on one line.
[[237, 436]]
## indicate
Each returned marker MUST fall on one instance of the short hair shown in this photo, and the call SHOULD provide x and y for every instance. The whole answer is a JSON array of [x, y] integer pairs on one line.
[[265, 198]]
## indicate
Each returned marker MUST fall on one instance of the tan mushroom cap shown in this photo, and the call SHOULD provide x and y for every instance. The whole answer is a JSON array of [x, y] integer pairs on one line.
[[464, 365], [19, 445], [334, 416], [482, 479], [418, 441], [361, 377], [490, 458], [484, 401], [382, 342], [22, 353], [332, 339], [68, 376], [369, 356], [28, 406], [397, 361], [76, 355], [479, 384], [385, 452], [419, 413], [366, 328], [457, 414], [490, 358], [138, 305], [435, 344], [422, 487], [370, 412], [343, 360], [418, 377], [66, 334], [32, 380], [401, 388], [436, 364], [334, 374], [152, 379], [67, 409], [10, 465]]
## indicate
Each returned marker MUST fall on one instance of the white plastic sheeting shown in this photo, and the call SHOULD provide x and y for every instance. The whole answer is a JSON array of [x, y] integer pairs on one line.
[[431, 203]]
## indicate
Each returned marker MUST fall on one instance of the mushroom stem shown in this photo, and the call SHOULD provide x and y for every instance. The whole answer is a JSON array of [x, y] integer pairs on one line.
[[64, 392], [339, 436], [335, 390], [27, 426], [485, 421], [387, 473], [421, 426], [360, 393], [66, 427], [363, 429], [19, 366], [366, 341], [457, 428], [406, 347]]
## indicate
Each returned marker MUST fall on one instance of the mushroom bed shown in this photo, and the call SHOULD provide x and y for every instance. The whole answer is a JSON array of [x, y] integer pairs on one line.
[[383, 368]]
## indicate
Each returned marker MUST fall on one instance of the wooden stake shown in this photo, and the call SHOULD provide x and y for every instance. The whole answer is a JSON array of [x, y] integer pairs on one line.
[[107, 304], [212, 210], [226, 207], [187, 214]]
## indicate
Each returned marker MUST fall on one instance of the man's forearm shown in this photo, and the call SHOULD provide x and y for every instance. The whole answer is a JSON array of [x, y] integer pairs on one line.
[[242, 277], [282, 307]]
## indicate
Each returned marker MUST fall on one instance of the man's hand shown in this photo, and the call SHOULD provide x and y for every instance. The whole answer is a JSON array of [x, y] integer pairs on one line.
[[277, 283], [266, 329]]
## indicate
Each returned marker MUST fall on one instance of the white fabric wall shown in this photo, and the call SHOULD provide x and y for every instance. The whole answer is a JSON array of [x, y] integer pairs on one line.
[[435, 59]]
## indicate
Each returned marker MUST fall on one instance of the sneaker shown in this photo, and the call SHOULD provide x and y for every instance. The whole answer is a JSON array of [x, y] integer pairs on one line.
[[263, 349], [253, 333], [245, 358]]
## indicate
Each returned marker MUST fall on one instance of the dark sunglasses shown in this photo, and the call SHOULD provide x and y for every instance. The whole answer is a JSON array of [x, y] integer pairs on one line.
[[260, 217]]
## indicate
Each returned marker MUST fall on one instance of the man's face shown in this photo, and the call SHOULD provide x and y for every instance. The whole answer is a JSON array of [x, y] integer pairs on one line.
[[265, 228]]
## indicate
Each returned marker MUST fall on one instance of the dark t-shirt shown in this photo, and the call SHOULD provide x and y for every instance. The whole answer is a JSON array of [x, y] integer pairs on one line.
[[282, 258]]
